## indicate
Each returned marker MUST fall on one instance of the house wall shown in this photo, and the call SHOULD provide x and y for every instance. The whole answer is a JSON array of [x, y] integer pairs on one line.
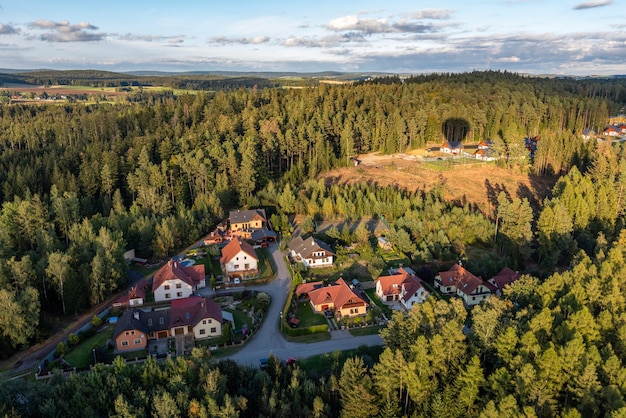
[[253, 224], [132, 340], [135, 302], [481, 293], [207, 328], [318, 308], [419, 297], [353, 311], [238, 263], [174, 292], [446, 290], [318, 262]]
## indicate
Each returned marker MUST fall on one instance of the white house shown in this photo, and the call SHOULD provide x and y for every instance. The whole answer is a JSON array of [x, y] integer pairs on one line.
[[458, 281], [402, 286], [311, 252], [239, 259], [175, 281], [196, 315]]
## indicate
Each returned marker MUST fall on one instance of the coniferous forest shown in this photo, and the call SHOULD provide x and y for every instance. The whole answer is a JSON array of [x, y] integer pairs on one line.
[[154, 171]]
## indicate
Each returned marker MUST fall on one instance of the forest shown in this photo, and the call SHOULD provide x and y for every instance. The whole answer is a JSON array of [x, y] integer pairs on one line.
[[80, 183]]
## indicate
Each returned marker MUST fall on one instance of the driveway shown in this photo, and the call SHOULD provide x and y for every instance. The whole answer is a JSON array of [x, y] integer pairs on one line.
[[269, 340]]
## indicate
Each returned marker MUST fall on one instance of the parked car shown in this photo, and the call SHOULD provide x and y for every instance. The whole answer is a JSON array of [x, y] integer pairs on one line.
[[264, 362], [290, 361]]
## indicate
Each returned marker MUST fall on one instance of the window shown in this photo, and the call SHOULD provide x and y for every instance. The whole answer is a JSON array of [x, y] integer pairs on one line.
[[187, 315], [236, 266], [167, 287], [210, 321], [124, 343], [127, 333], [150, 322], [204, 322], [167, 296], [137, 341], [178, 285], [202, 331], [161, 321], [213, 330], [179, 294], [246, 266], [237, 258]]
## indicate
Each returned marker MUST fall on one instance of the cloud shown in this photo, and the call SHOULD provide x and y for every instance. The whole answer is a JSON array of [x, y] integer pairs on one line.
[[372, 26], [131, 37], [593, 4], [8, 29], [324, 41], [437, 14], [256, 40], [65, 32]]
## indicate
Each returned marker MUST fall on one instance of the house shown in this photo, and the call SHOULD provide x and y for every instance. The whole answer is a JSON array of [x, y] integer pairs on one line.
[[239, 259], [215, 237], [338, 298], [196, 315], [136, 327], [458, 281], [505, 277], [588, 133], [485, 154], [311, 252], [485, 144], [401, 286], [611, 131], [176, 281], [135, 296], [452, 147], [384, 244], [263, 237]]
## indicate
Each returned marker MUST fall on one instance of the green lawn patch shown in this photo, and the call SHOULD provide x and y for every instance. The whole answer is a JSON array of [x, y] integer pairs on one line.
[[384, 308], [327, 363], [266, 264], [310, 338], [82, 354], [145, 271], [307, 317], [357, 332], [240, 318]]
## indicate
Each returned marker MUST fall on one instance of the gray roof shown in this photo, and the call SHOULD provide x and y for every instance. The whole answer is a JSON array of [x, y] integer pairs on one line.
[[146, 322], [240, 216], [307, 246]]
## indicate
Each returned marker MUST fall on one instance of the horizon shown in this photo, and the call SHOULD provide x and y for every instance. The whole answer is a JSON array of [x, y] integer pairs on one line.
[[536, 37]]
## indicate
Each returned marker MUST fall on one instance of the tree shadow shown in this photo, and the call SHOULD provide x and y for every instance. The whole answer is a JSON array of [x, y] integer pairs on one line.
[[493, 190], [455, 129]]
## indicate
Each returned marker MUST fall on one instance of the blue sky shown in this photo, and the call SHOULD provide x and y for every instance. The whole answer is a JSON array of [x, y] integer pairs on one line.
[[579, 37]]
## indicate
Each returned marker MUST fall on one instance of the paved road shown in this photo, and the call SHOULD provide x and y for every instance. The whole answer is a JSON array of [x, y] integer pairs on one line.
[[268, 338]]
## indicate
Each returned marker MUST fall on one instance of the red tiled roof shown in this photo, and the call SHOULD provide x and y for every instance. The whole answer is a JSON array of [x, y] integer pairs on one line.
[[392, 285], [191, 310], [339, 294], [505, 278], [192, 275], [235, 247], [308, 287], [460, 278]]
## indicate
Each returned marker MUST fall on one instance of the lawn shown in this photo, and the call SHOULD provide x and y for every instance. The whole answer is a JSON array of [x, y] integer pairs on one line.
[[372, 294], [266, 267], [307, 317], [240, 318], [82, 354], [327, 363]]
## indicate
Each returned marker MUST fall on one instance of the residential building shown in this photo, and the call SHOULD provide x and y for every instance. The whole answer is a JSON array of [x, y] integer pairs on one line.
[[176, 281], [403, 287], [311, 252], [458, 281], [338, 298], [504, 278], [136, 327], [196, 315], [239, 259]]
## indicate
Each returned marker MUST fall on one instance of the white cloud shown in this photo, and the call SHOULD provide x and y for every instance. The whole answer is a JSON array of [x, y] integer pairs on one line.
[[8, 29], [255, 40], [593, 4], [65, 32]]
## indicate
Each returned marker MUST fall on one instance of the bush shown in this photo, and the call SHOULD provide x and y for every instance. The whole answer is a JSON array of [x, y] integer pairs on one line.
[[73, 339], [62, 350], [96, 321]]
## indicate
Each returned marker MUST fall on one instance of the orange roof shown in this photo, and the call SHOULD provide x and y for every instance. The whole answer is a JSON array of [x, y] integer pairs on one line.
[[192, 275], [392, 285], [460, 278], [308, 287], [339, 294], [235, 247], [191, 310]]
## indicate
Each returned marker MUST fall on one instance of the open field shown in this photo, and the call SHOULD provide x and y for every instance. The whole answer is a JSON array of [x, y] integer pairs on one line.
[[478, 183]]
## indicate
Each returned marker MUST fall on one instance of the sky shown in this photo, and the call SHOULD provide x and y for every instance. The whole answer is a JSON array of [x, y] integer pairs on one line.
[[579, 37]]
